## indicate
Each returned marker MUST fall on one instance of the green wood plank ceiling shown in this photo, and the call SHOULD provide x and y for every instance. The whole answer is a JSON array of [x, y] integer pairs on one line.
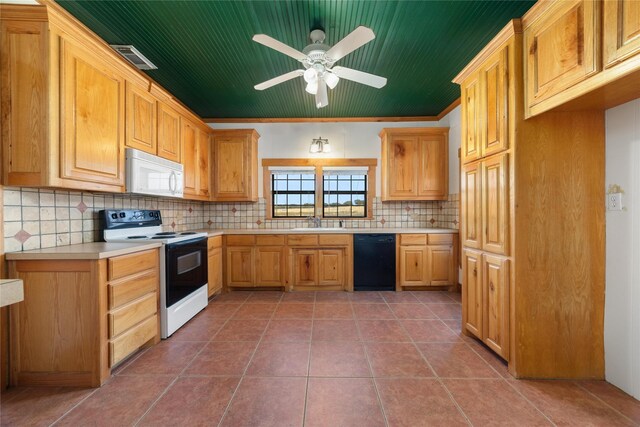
[[206, 57]]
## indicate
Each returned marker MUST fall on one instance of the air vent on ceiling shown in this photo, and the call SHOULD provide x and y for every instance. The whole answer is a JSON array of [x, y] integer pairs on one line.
[[134, 56]]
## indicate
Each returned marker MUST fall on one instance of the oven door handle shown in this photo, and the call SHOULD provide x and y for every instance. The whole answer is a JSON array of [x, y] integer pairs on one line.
[[173, 179]]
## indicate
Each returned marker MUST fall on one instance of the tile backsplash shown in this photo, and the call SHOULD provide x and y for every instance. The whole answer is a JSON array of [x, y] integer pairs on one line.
[[41, 218]]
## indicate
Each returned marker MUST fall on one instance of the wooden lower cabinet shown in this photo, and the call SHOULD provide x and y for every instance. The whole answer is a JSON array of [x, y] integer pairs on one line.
[[319, 268], [214, 265], [269, 266], [255, 265], [240, 266], [485, 299], [426, 260], [82, 317], [305, 267], [331, 267]]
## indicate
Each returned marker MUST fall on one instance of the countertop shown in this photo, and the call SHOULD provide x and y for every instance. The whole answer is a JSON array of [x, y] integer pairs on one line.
[[220, 232], [95, 250], [11, 291]]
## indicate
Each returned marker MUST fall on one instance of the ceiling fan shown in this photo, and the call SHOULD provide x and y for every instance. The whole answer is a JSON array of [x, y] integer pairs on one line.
[[318, 60]]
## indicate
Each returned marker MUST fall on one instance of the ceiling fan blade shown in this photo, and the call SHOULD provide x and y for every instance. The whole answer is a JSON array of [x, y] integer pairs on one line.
[[322, 99], [360, 77], [358, 37], [279, 46], [280, 79]]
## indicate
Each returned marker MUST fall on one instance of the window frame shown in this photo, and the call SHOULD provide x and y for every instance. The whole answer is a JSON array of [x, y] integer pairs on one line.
[[319, 165]]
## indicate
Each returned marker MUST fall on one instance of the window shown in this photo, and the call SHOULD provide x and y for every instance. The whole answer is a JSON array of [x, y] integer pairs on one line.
[[344, 192], [293, 193], [345, 187]]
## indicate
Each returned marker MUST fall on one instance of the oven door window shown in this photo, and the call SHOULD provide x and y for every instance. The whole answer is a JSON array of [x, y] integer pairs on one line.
[[186, 268]]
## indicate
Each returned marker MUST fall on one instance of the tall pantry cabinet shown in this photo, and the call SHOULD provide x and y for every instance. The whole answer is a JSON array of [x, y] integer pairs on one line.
[[532, 222]]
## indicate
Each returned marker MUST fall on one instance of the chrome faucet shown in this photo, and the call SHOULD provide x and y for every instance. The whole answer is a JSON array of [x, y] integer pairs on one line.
[[315, 221]]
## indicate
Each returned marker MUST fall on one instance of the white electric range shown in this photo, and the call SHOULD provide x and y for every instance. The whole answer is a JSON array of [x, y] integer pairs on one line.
[[183, 262]]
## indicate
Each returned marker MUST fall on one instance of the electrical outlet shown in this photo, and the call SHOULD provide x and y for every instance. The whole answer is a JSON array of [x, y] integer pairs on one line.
[[614, 202]]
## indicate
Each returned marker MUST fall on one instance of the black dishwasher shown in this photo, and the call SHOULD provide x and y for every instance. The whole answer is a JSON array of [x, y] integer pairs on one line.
[[374, 262]]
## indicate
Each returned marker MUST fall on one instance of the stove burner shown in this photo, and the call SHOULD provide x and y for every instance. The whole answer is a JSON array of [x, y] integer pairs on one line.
[[166, 233], [136, 237], [186, 233], [159, 237]]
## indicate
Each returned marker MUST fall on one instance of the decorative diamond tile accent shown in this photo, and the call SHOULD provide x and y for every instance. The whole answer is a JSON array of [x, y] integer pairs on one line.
[[407, 209], [455, 222], [258, 222], [22, 236], [173, 224], [432, 221], [382, 221], [82, 207], [234, 210], [209, 222], [190, 210]]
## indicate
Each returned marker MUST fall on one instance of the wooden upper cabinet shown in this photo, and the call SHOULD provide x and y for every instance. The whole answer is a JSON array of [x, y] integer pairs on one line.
[[494, 128], [472, 291], [235, 165], [141, 124], [495, 334], [471, 123], [415, 163], [204, 159], [621, 35], [189, 145], [168, 133], [562, 48], [471, 205], [495, 204], [92, 112]]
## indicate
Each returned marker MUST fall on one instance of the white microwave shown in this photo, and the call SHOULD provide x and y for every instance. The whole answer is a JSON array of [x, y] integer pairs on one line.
[[149, 174]]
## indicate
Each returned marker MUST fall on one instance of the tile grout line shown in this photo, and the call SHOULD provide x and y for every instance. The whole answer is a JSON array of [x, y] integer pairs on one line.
[[577, 383], [306, 388], [74, 407], [548, 418], [255, 350], [195, 356]]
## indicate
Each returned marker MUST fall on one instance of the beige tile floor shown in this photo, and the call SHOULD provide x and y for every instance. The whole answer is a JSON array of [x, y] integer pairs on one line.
[[322, 359]]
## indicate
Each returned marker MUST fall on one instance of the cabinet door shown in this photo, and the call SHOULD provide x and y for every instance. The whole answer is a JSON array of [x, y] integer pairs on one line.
[[472, 298], [141, 126], [471, 205], [189, 157], [434, 167], [240, 264], [168, 133], [470, 129], [231, 168], [215, 270], [331, 267], [269, 266], [495, 333], [92, 112], [561, 48], [621, 30], [203, 164], [495, 201], [402, 166], [413, 266], [305, 267], [440, 265], [494, 131]]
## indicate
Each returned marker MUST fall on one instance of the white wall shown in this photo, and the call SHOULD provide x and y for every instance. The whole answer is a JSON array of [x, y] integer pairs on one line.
[[622, 299], [347, 139], [452, 121]]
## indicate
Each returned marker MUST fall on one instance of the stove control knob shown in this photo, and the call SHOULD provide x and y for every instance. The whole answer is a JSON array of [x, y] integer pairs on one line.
[[114, 216], [122, 214]]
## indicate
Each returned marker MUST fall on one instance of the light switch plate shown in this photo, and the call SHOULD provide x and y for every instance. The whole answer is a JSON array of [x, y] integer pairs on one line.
[[614, 202]]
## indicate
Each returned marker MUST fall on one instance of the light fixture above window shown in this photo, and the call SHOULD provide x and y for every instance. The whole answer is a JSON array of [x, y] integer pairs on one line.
[[319, 145]]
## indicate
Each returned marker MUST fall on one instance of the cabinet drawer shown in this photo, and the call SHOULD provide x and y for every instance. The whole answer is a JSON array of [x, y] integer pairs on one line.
[[240, 240], [131, 314], [127, 265], [335, 239], [127, 290], [271, 239], [440, 239], [131, 340], [302, 239], [214, 242], [413, 239]]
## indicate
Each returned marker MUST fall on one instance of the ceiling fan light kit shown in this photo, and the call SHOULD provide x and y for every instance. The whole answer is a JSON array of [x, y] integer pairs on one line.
[[318, 60]]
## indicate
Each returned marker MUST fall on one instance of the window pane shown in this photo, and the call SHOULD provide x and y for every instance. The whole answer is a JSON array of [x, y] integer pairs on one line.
[[292, 196], [345, 195], [308, 185], [358, 185], [294, 185]]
